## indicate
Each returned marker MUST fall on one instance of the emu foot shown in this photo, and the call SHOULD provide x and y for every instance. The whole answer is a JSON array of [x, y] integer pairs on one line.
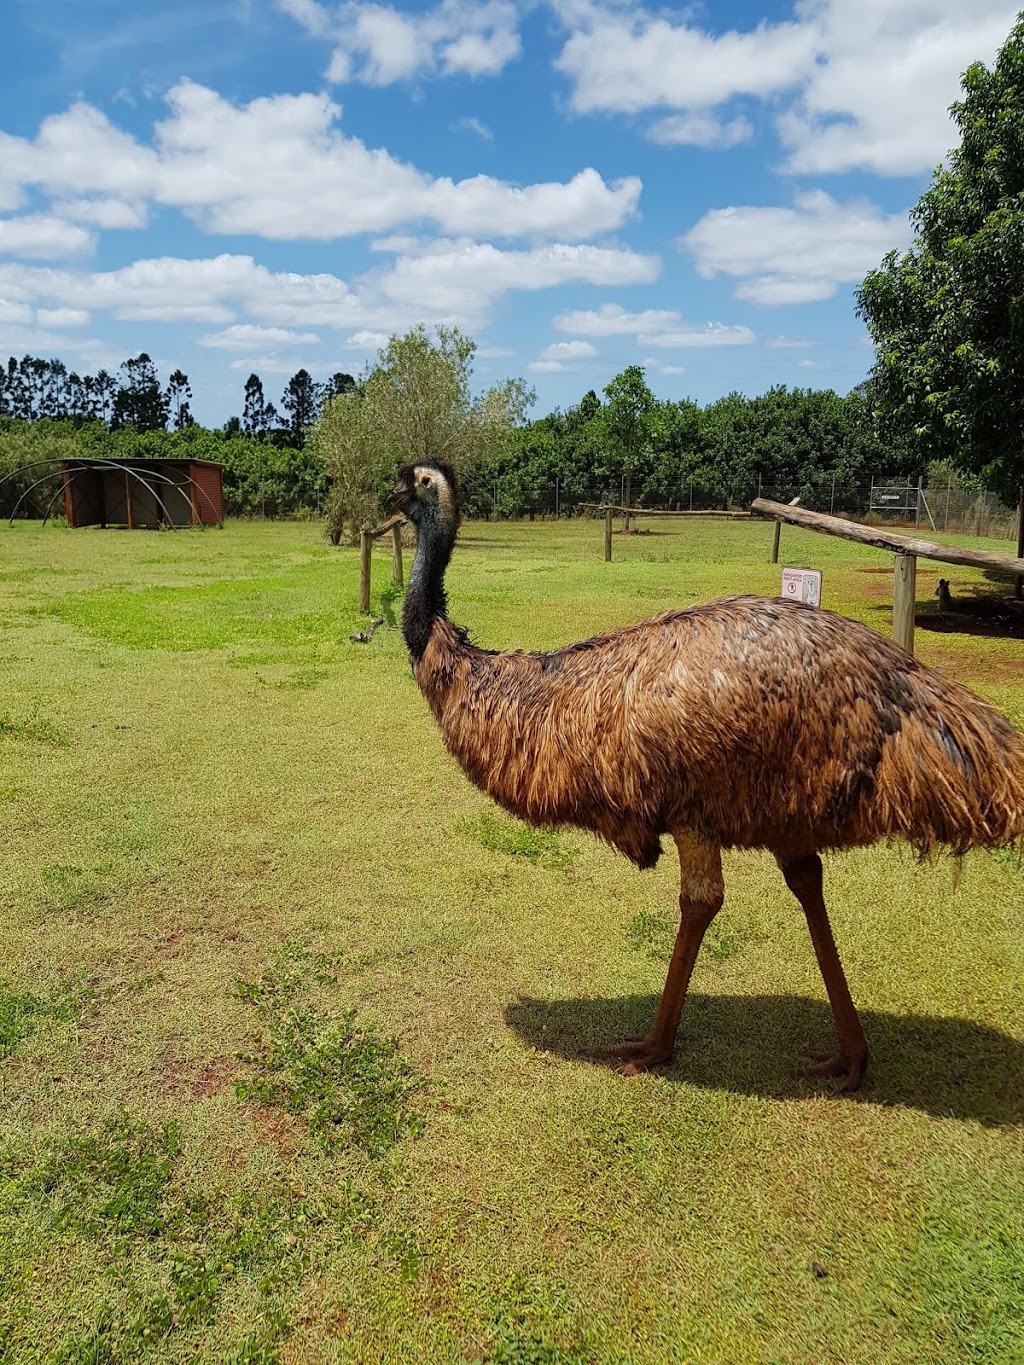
[[845, 1068], [635, 1054]]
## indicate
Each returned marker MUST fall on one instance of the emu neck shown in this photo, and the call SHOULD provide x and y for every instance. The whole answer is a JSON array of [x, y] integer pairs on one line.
[[425, 600]]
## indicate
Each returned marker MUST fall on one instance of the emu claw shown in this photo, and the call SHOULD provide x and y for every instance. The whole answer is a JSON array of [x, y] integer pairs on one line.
[[636, 1054], [847, 1070]]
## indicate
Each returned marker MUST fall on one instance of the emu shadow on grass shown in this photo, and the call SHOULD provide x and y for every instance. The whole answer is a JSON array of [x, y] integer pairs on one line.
[[949, 1068]]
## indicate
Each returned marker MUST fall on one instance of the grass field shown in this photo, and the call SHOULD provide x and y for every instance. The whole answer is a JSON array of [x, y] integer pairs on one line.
[[293, 1024]]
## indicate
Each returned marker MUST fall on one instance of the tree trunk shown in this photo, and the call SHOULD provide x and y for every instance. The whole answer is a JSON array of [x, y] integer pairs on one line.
[[1018, 583]]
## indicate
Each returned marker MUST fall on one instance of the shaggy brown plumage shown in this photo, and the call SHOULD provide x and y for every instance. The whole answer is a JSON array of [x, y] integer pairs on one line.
[[743, 723]]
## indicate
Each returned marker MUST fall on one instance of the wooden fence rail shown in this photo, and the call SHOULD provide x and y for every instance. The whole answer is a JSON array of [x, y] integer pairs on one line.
[[905, 549], [366, 538]]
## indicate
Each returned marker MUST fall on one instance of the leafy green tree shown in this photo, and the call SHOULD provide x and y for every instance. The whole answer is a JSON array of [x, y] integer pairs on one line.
[[947, 316], [139, 401], [355, 463], [419, 397], [178, 395], [628, 417], [254, 413], [339, 383], [301, 401]]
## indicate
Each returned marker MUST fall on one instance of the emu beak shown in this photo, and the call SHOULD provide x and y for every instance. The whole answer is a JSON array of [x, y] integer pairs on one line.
[[400, 500]]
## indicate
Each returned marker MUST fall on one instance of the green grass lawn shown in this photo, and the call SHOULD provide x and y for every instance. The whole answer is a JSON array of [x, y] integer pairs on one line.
[[293, 1023]]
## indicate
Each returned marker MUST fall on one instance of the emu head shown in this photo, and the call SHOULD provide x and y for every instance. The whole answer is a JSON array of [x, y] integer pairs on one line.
[[428, 494]]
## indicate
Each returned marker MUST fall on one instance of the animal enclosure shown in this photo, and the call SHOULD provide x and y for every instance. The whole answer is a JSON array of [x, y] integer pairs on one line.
[[143, 493]]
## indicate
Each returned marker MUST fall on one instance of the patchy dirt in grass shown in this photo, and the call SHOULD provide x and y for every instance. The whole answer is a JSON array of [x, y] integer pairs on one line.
[[212, 1079], [274, 1129]]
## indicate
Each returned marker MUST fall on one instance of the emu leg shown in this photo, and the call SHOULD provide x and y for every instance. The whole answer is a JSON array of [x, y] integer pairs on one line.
[[803, 877], [699, 902]]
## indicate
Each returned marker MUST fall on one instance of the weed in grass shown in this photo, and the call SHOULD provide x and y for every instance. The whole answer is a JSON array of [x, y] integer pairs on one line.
[[518, 840], [114, 1180], [132, 834], [532, 1348], [408, 1255], [350, 1084], [74, 889], [303, 680], [36, 730], [22, 1011], [386, 599], [655, 935]]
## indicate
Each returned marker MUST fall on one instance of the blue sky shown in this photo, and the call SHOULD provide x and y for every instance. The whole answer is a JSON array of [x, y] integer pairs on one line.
[[242, 185]]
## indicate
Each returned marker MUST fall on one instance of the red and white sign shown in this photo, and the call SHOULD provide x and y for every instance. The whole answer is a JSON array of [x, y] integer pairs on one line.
[[802, 585]]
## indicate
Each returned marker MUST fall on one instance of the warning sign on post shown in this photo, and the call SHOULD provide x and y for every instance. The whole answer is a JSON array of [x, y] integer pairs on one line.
[[802, 585]]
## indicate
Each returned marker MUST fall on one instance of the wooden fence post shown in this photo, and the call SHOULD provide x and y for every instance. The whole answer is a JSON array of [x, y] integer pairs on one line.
[[904, 599], [397, 575], [365, 550], [607, 534], [794, 502]]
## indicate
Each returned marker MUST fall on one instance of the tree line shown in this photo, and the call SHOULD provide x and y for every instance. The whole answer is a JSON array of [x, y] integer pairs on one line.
[[33, 389], [343, 440]]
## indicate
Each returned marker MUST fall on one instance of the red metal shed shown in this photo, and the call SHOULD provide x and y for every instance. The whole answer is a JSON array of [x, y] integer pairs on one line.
[[143, 493]]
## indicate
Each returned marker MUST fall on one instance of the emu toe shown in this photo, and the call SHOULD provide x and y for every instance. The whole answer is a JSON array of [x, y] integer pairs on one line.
[[636, 1055], [846, 1069]]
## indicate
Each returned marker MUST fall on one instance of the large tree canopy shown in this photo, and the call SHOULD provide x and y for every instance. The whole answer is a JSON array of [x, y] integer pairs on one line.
[[947, 317]]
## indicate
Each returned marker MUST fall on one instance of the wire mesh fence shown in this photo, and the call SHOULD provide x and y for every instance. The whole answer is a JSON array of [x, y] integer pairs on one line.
[[882, 500]]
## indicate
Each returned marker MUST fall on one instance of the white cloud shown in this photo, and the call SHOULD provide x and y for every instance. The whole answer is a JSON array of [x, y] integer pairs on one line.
[[473, 125], [862, 84], [794, 255], [626, 62], [612, 320], [699, 130], [272, 363], [62, 317], [364, 340], [378, 45], [877, 98], [659, 367], [280, 168], [661, 327], [563, 355], [245, 337], [450, 281], [103, 213], [712, 334], [787, 343], [12, 313], [42, 236]]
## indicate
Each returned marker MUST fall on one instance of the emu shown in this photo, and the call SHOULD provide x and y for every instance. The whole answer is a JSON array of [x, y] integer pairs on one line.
[[747, 722], [981, 608]]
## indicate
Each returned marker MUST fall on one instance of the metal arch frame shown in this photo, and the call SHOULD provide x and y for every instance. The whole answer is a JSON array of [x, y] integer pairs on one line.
[[86, 463]]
